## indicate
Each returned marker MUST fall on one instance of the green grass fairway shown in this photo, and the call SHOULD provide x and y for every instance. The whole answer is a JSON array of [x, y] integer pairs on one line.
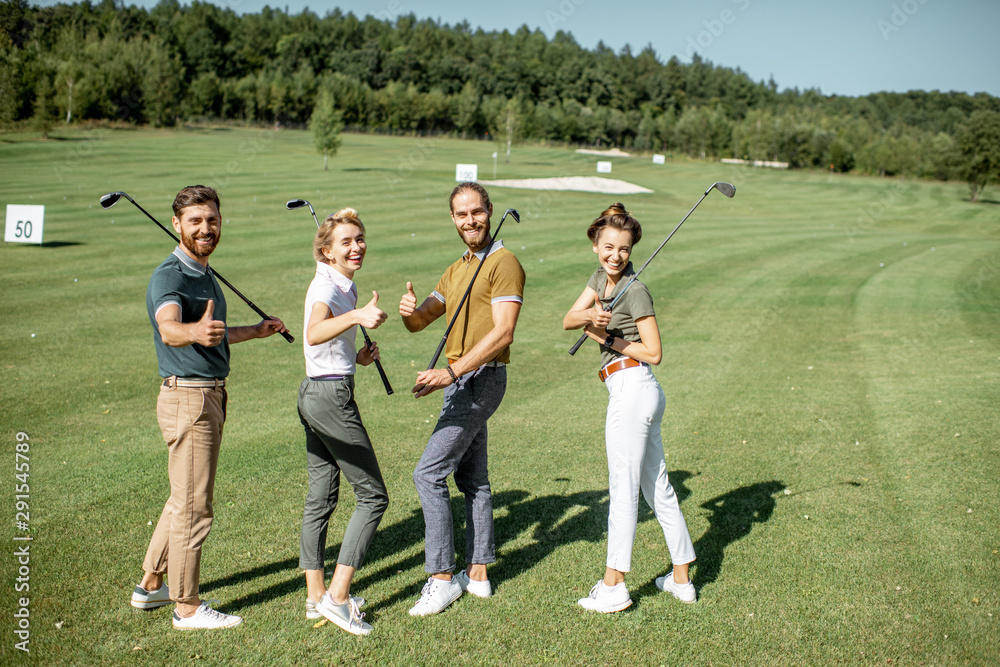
[[831, 364]]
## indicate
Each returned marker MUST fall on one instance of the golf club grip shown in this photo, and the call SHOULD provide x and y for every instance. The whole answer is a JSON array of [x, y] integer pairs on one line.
[[578, 344], [385, 380], [378, 364]]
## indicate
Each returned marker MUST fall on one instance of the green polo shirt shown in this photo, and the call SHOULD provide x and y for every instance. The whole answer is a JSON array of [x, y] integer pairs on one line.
[[636, 304], [185, 282]]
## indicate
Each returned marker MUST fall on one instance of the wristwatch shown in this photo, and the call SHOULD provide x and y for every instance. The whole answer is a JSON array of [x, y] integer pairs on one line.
[[609, 341]]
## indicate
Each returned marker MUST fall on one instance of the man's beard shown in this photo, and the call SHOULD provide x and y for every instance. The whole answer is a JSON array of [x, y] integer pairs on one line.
[[196, 250], [484, 236]]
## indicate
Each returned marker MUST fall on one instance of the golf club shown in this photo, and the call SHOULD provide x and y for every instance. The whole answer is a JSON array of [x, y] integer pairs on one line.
[[728, 189], [444, 339], [110, 199], [293, 204]]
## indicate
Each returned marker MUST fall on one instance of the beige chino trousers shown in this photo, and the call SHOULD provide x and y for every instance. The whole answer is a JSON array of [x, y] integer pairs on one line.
[[191, 419]]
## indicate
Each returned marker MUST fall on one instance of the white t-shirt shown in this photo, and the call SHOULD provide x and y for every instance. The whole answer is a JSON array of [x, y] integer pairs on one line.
[[337, 356]]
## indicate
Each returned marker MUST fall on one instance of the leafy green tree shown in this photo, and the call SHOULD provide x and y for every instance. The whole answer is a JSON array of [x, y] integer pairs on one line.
[[979, 143], [326, 124], [43, 116]]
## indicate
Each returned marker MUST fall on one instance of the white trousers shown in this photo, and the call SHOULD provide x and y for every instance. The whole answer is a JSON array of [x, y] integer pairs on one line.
[[635, 461]]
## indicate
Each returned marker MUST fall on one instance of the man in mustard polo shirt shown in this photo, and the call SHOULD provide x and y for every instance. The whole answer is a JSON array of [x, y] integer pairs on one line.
[[474, 382]]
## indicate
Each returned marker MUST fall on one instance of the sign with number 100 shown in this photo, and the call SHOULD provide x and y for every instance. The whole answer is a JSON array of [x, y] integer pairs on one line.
[[24, 224]]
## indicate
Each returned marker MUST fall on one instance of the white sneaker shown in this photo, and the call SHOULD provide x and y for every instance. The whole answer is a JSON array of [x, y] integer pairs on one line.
[[436, 595], [143, 599], [346, 615], [206, 618], [683, 592], [311, 612], [481, 589], [606, 599]]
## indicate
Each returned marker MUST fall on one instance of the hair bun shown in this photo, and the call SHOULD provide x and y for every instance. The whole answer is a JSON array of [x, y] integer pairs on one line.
[[346, 213]]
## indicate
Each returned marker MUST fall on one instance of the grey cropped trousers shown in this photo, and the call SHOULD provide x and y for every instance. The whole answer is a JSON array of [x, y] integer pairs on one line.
[[337, 442]]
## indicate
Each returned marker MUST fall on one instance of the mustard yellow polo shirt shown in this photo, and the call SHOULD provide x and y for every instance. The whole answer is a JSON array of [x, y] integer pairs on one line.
[[501, 279]]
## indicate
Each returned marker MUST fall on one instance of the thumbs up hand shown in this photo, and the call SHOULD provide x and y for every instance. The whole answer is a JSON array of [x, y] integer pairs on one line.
[[371, 316], [209, 331], [408, 303]]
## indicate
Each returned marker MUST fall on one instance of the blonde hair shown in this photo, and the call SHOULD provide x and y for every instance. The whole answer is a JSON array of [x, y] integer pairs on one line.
[[324, 235]]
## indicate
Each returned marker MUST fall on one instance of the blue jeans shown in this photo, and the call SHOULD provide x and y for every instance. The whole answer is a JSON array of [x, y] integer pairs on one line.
[[458, 445]]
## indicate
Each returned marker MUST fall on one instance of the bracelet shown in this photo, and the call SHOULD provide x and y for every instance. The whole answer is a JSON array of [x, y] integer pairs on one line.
[[451, 373]]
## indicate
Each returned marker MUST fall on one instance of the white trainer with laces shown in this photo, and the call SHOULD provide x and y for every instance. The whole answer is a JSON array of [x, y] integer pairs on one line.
[[481, 589], [311, 612], [606, 599], [346, 616], [435, 597], [143, 599], [206, 618], [683, 592]]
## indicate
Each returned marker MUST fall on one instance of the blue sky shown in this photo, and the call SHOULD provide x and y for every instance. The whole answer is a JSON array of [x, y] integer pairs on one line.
[[843, 47]]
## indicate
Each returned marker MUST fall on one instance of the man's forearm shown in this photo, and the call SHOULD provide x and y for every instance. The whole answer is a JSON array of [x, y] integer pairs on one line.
[[240, 334]]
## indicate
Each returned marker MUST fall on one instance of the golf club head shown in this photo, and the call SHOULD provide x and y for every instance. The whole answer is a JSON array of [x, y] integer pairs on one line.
[[512, 213], [293, 204], [110, 199], [727, 189]]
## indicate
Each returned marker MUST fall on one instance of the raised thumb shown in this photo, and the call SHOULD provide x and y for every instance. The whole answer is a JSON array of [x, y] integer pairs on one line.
[[374, 301], [409, 288], [209, 311]]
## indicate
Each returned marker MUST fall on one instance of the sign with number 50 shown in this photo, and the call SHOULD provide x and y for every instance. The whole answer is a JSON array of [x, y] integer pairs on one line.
[[24, 224]]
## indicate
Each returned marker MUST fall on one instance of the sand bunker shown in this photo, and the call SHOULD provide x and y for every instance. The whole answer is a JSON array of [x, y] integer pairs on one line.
[[611, 152], [610, 186]]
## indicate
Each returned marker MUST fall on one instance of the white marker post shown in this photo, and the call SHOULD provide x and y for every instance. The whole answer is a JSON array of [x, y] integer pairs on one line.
[[603, 167], [466, 172], [659, 159], [24, 224]]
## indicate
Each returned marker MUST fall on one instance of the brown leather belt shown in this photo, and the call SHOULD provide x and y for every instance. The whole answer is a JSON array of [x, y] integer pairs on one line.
[[615, 366]]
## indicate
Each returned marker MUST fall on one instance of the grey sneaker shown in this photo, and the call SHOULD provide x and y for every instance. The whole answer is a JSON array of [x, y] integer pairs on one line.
[[435, 597], [143, 599], [312, 613], [683, 592], [481, 589], [344, 615], [206, 618], [606, 599]]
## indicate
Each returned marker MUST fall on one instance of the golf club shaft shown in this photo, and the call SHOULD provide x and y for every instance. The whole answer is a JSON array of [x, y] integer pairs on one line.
[[253, 306], [468, 290], [583, 337], [368, 341]]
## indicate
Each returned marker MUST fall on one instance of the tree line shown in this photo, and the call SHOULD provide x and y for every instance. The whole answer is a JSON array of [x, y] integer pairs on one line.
[[397, 74]]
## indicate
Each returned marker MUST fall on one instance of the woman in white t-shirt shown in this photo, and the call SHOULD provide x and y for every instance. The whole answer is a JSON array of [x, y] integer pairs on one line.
[[336, 439], [630, 342]]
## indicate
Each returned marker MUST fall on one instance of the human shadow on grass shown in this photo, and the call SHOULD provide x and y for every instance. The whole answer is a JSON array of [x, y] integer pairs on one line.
[[731, 518], [555, 521]]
